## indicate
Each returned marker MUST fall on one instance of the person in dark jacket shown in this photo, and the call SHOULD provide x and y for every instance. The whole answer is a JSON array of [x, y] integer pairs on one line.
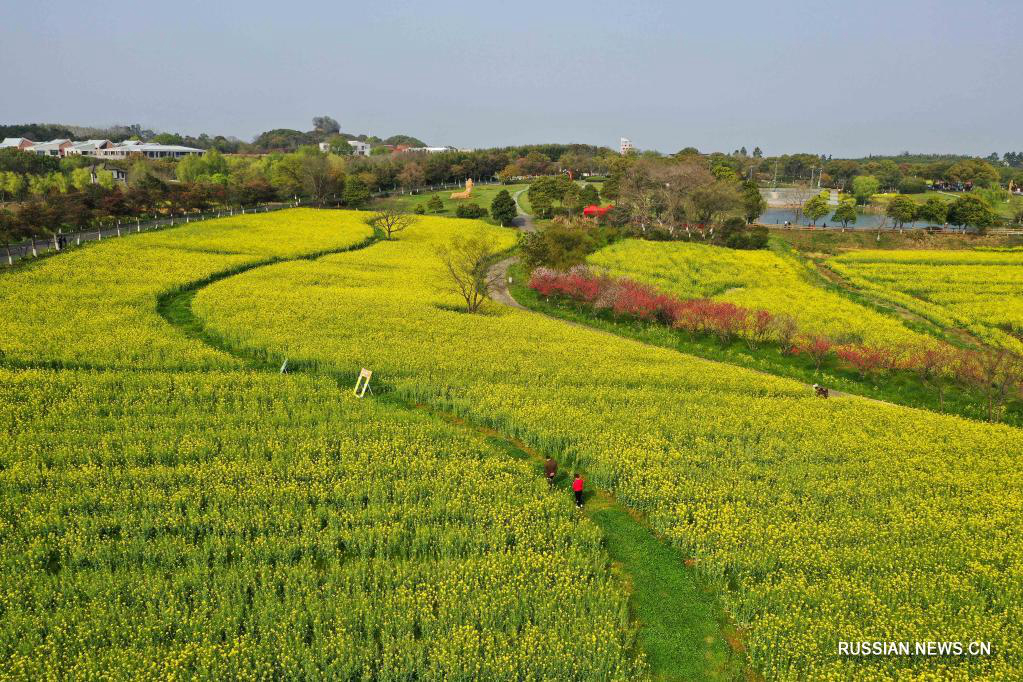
[[550, 470], [577, 488]]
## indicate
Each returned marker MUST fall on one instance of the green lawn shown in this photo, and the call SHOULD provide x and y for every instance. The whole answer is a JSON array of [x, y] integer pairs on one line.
[[481, 194]]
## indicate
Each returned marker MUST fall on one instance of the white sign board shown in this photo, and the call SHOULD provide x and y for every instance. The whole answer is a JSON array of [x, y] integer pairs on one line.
[[363, 382]]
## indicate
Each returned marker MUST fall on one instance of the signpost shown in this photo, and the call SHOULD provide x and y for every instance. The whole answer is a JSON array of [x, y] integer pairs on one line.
[[362, 383]]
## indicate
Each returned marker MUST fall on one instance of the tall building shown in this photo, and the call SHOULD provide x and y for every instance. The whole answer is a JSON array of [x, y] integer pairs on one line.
[[626, 146]]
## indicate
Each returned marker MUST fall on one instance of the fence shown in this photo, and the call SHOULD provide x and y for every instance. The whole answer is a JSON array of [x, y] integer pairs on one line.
[[61, 240]]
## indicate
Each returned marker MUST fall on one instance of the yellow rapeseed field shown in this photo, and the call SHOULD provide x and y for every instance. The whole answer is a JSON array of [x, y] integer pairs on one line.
[[821, 521], [762, 280], [981, 291], [161, 519]]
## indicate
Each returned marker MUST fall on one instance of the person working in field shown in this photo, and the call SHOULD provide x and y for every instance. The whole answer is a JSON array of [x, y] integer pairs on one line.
[[577, 488], [550, 470]]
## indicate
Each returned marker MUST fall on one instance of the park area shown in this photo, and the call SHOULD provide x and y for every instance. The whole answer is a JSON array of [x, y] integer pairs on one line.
[[191, 490]]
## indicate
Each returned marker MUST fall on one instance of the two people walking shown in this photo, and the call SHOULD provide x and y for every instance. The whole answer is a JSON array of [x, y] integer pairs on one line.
[[550, 470]]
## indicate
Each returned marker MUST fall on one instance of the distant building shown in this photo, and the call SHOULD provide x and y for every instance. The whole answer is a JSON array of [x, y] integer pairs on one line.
[[88, 148], [625, 146], [51, 148], [430, 150], [22, 143], [148, 150], [360, 148]]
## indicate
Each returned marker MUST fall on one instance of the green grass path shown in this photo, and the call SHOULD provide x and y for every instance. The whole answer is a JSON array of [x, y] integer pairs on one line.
[[682, 628]]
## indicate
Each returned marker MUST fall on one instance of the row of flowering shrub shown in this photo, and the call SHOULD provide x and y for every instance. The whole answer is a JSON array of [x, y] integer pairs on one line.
[[996, 374]]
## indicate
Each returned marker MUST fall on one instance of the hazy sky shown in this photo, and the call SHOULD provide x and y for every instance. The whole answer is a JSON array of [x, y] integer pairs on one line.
[[845, 78]]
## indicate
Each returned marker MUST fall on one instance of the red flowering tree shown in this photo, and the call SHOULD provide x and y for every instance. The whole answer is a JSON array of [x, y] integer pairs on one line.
[[817, 348], [758, 328], [868, 361]]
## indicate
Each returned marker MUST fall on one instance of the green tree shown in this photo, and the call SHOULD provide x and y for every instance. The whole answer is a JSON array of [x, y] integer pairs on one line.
[[711, 200], [543, 192], [864, 187], [971, 211], [470, 211], [976, 171], [168, 138], [913, 185], [434, 204], [816, 207], [888, 174], [503, 209], [16, 185], [934, 211], [902, 210], [339, 145], [105, 179], [356, 192], [753, 202], [589, 195], [81, 178], [846, 212], [190, 169], [723, 171], [570, 199]]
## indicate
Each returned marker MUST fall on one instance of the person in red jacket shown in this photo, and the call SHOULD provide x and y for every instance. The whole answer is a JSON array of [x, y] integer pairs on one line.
[[577, 488]]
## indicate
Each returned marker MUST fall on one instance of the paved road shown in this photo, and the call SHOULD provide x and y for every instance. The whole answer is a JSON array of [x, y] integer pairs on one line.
[[523, 220], [499, 270]]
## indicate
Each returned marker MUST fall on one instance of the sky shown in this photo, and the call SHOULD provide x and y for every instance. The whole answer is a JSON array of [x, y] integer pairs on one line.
[[845, 78]]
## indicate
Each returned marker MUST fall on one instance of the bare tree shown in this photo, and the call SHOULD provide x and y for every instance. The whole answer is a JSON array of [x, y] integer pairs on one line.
[[392, 220], [998, 373], [467, 261]]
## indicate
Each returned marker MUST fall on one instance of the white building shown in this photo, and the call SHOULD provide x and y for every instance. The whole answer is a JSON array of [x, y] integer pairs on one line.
[[51, 148], [360, 148], [88, 148], [149, 150], [625, 146], [17, 143]]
